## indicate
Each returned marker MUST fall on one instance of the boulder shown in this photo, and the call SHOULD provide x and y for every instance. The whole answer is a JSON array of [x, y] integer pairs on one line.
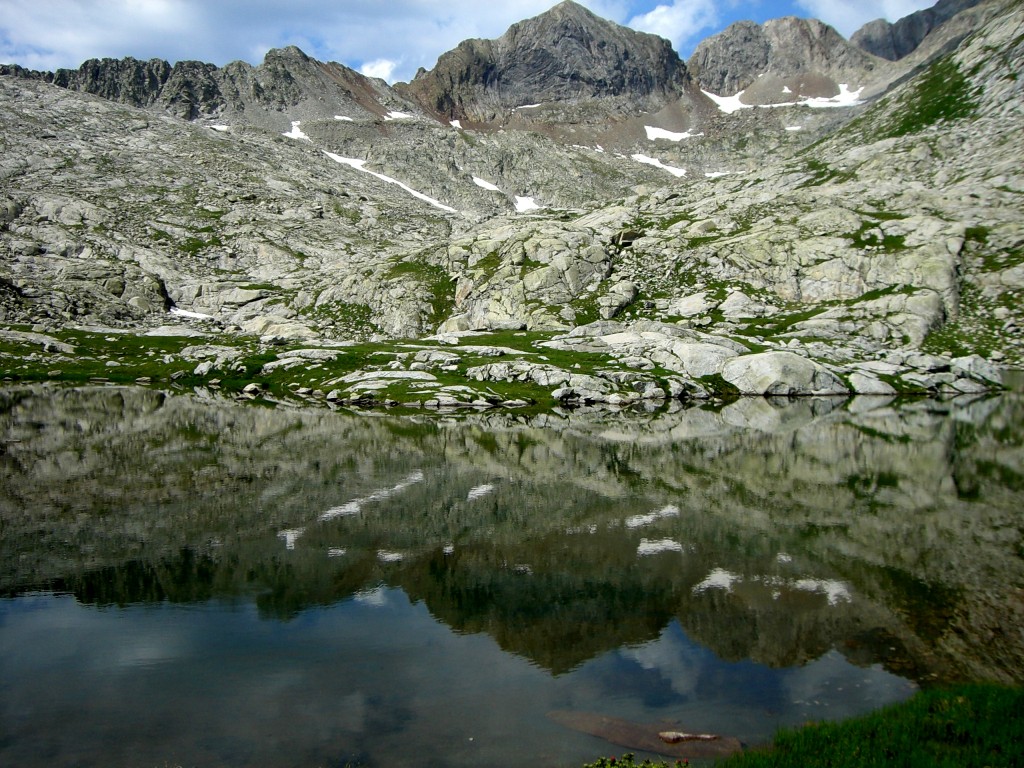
[[781, 373]]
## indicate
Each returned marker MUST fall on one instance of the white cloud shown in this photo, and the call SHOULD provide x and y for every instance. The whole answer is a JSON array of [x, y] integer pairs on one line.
[[382, 68], [848, 17], [686, 23], [681, 22]]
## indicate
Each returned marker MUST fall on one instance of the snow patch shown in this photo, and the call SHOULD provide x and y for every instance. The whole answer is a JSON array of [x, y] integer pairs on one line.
[[485, 184], [355, 506], [845, 98], [527, 106], [647, 547], [654, 134], [794, 127], [479, 492], [677, 172], [192, 315], [836, 591], [395, 115], [525, 204], [359, 166], [343, 117], [728, 104], [638, 521], [296, 132], [717, 579], [290, 536], [456, 124], [219, 128]]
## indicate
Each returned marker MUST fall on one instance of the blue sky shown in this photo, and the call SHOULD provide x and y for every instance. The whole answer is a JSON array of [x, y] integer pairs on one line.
[[385, 38]]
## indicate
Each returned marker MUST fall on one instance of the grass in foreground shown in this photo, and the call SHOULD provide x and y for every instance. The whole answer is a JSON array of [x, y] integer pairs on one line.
[[972, 726]]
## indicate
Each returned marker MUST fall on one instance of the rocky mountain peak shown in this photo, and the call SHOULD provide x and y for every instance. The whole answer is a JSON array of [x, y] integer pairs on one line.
[[807, 56], [893, 41], [566, 54]]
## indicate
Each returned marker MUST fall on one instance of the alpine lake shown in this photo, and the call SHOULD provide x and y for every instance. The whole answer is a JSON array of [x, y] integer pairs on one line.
[[189, 581]]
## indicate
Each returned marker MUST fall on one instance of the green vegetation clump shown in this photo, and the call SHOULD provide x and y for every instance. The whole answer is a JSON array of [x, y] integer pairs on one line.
[[968, 726], [822, 173], [975, 725], [868, 237], [943, 93], [628, 760]]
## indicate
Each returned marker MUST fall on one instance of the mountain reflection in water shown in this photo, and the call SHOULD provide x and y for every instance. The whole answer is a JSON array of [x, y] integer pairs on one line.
[[435, 580]]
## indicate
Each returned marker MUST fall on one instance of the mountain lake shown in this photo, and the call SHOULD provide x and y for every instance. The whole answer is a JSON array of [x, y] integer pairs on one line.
[[191, 581]]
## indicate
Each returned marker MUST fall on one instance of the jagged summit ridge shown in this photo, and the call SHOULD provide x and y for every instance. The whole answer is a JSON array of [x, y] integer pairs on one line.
[[287, 80], [565, 54]]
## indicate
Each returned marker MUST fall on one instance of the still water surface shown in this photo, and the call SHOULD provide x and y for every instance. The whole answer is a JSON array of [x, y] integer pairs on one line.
[[198, 583]]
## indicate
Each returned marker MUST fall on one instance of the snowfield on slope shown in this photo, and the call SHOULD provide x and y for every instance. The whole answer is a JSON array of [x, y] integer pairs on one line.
[[359, 165]]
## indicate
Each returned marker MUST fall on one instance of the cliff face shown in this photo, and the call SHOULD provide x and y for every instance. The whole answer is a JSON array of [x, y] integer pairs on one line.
[[566, 54], [786, 48], [893, 41], [287, 79]]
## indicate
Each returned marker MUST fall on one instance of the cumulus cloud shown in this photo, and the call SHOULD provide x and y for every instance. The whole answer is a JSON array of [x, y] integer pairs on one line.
[[848, 17], [686, 22], [680, 22], [382, 68]]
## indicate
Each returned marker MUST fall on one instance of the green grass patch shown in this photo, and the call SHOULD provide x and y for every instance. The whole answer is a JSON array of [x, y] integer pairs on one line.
[[766, 327], [193, 245], [962, 727], [488, 264], [942, 93], [868, 236], [822, 173]]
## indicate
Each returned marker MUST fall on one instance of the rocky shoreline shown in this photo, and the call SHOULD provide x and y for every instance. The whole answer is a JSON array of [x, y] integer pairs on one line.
[[607, 363]]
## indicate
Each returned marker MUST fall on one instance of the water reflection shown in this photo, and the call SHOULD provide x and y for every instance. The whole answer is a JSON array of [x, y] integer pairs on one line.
[[382, 590]]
